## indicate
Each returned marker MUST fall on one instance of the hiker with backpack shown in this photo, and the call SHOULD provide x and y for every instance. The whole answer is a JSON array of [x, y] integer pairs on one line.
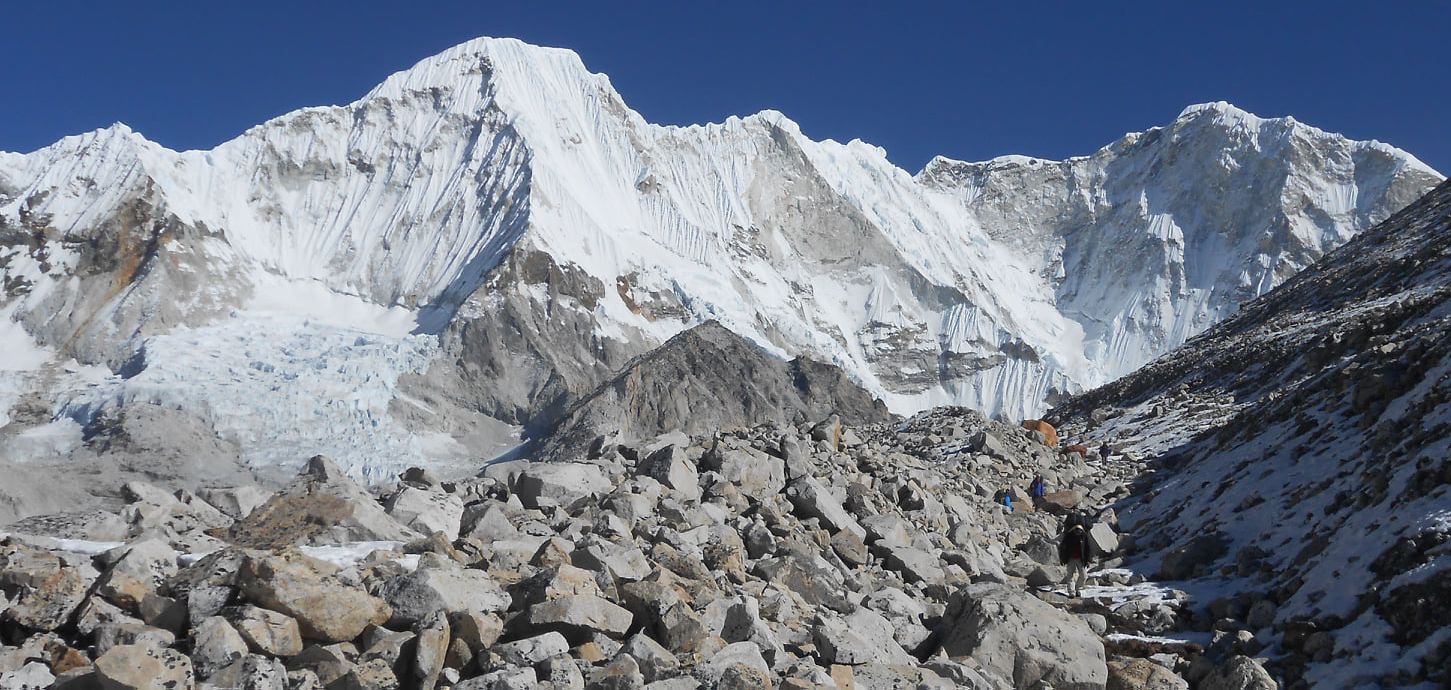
[[1075, 550], [1038, 489], [1104, 451], [1004, 498]]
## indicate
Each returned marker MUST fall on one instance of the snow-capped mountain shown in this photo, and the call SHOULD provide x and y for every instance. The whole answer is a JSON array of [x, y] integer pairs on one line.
[[1303, 458], [486, 236]]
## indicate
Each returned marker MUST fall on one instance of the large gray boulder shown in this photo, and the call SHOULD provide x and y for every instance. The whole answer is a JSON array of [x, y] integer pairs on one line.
[[427, 510], [325, 609], [238, 502], [579, 616], [1239, 673], [1105, 540], [1021, 638], [137, 667], [46, 589], [215, 644], [672, 468], [813, 500], [322, 506], [560, 482], [755, 472], [442, 585], [861, 638]]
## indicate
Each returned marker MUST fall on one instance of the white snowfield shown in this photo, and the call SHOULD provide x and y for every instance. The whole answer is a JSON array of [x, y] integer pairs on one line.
[[299, 270]]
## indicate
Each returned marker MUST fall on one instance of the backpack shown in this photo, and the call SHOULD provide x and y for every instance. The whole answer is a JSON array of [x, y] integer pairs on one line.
[[1074, 544]]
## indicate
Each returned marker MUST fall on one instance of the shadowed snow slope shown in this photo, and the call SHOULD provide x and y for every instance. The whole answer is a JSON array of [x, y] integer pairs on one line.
[[493, 233], [1303, 448]]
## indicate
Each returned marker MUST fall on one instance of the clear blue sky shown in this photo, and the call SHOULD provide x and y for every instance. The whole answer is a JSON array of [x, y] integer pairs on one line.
[[965, 80]]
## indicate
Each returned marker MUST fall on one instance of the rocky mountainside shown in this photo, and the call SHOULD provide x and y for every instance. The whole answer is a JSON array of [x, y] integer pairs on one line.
[[485, 238], [813, 555], [704, 379], [1302, 450]]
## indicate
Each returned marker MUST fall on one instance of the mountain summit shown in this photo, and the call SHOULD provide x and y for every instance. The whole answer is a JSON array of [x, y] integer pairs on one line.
[[486, 237]]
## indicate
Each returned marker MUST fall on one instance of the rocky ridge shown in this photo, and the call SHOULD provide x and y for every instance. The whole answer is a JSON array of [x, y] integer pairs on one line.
[[791, 556], [1300, 473]]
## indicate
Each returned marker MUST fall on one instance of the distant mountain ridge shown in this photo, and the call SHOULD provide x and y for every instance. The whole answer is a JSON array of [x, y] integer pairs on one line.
[[487, 236]]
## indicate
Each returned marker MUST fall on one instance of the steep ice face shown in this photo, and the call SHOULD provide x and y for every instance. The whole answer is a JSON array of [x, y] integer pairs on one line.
[[997, 285], [1156, 237]]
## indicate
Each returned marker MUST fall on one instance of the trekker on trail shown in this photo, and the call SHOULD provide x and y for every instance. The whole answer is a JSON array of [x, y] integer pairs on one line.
[[1005, 498], [1038, 488], [1075, 551], [1104, 451]]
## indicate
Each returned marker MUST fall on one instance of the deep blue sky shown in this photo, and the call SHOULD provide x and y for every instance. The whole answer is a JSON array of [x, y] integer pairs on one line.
[[965, 80]]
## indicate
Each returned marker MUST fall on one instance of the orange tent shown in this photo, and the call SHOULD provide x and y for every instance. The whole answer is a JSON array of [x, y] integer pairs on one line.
[[1050, 435]]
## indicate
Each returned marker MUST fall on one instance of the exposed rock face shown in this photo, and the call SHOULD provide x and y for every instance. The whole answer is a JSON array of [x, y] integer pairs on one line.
[[1302, 453], [709, 378]]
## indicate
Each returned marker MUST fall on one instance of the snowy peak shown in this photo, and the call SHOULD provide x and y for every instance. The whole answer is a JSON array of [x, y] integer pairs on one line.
[[495, 225]]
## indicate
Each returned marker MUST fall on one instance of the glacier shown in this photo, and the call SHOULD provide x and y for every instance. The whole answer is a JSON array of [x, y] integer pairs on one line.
[[485, 235]]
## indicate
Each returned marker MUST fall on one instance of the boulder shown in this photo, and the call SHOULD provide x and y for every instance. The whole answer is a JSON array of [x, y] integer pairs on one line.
[[625, 563], [32, 676], [488, 522], [861, 638], [430, 648], [579, 616], [1061, 502], [442, 585], [532, 650], [1002, 629], [251, 672], [1130, 673], [322, 506], [671, 466], [266, 632], [476, 629], [915, 565], [138, 667], [812, 500], [991, 444], [560, 482], [302, 587], [1239, 673], [215, 644], [373, 674], [756, 473], [237, 502], [427, 510], [137, 570], [1198, 556], [738, 665], [47, 590], [327, 662], [1105, 540], [828, 431], [655, 661]]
